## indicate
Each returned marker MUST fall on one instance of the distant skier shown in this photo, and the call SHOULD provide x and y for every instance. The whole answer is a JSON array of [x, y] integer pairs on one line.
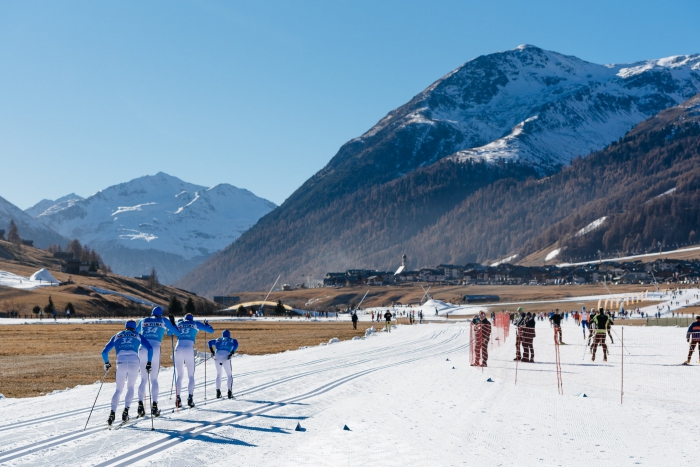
[[126, 344], [225, 348], [482, 333], [420, 317], [519, 324], [528, 337], [601, 323], [555, 319], [693, 336], [153, 329], [387, 317], [184, 354], [354, 320], [54, 314], [584, 323]]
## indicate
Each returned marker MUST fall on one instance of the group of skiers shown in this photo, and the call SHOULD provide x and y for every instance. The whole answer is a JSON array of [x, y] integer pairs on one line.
[[138, 350]]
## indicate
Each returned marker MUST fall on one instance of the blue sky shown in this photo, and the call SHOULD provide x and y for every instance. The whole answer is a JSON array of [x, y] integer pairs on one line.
[[259, 94]]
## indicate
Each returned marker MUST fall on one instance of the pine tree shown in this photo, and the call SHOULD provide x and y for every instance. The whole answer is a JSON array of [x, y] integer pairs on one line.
[[189, 306], [175, 307], [48, 309], [13, 234], [153, 283], [279, 308], [36, 309], [70, 307]]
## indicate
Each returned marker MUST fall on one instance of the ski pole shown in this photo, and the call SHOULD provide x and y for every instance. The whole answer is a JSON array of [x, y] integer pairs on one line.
[[98, 395], [205, 372], [230, 365], [150, 398]]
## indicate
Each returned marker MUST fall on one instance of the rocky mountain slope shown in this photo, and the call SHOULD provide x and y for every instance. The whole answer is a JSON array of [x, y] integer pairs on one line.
[[158, 221], [28, 227], [522, 113]]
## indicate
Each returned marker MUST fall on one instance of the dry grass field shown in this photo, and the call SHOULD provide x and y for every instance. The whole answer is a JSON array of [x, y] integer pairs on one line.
[[38, 359]]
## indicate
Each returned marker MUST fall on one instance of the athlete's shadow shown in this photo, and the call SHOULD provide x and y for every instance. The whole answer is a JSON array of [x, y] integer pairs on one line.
[[206, 437], [281, 404], [273, 429]]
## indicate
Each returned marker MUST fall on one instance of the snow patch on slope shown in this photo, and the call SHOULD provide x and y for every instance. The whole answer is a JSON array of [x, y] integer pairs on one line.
[[591, 227], [552, 254]]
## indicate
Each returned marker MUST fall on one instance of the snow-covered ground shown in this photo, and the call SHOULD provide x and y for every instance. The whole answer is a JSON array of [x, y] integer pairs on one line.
[[408, 398], [41, 278]]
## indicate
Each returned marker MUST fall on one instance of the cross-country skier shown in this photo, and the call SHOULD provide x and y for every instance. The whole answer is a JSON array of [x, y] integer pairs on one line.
[[354, 320], [601, 323], [555, 319], [126, 344], [225, 348], [387, 317], [693, 336], [482, 334], [184, 354], [584, 322], [519, 324], [528, 337], [153, 329]]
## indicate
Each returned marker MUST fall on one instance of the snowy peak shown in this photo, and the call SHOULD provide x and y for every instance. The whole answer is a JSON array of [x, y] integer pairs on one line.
[[47, 205], [527, 105], [162, 215]]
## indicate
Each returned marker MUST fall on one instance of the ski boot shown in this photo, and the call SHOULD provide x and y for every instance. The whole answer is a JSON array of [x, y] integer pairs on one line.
[[218, 394], [190, 401], [111, 418], [593, 358], [125, 415], [230, 394], [141, 411], [154, 410], [178, 402], [605, 358]]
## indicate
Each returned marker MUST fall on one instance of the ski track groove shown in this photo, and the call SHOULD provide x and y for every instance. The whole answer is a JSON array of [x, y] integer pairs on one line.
[[32, 448]]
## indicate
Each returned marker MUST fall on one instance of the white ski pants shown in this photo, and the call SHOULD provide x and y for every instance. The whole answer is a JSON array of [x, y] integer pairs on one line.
[[155, 366], [222, 363], [184, 356], [126, 373]]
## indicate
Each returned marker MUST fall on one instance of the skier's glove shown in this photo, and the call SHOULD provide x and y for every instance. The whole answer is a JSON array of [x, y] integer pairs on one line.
[[108, 366], [148, 367], [213, 354], [229, 356], [206, 322]]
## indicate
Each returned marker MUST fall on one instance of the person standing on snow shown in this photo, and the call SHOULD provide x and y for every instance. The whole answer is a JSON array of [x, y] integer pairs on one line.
[[555, 319], [153, 329], [693, 337], [482, 332], [126, 344], [387, 317], [354, 319], [519, 324], [225, 348], [184, 354], [528, 337], [601, 323]]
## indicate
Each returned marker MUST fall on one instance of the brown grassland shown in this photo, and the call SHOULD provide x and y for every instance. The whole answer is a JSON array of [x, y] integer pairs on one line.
[[36, 359]]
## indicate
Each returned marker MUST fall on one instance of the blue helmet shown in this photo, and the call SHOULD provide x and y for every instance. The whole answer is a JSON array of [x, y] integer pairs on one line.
[[189, 317], [157, 311], [226, 333], [131, 324]]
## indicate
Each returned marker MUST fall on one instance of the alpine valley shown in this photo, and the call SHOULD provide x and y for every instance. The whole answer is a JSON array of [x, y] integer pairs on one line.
[[154, 221], [416, 181]]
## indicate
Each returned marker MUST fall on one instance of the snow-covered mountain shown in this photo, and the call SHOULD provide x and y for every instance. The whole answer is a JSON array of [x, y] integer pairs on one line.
[[158, 221], [53, 205], [28, 227], [508, 115], [536, 106]]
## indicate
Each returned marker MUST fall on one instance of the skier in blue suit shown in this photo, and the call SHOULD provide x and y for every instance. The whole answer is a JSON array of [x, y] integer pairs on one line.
[[184, 354], [153, 329], [126, 344], [225, 347]]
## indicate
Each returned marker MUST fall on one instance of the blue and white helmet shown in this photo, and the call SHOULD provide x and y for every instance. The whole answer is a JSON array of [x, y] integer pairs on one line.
[[226, 333], [157, 311], [189, 317], [131, 324]]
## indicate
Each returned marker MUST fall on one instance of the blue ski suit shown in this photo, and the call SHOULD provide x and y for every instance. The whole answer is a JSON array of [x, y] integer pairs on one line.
[[153, 329], [126, 344], [184, 351]]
